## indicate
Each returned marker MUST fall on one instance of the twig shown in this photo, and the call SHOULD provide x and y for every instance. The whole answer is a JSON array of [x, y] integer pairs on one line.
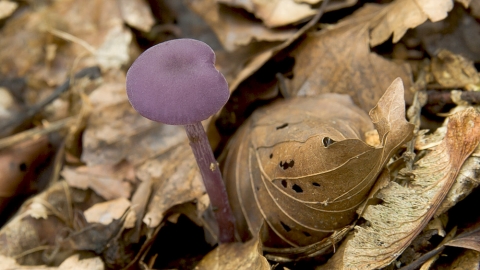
[[448, 97], [90, 72]]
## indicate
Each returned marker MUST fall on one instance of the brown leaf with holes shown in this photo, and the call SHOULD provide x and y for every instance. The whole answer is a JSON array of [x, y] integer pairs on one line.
[[406, 210], [309, 167]]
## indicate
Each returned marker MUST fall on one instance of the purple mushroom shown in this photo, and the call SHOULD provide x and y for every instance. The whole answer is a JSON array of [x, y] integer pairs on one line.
[[176, 83]]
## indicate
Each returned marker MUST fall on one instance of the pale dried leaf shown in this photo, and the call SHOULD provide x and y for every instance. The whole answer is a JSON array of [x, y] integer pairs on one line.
[[137, 14], [406, 210], [241, 256], [245, 4], [7, 8], [105, 212], [275, 13], [114, 51], [75, 263], [453, 71], [71, 263], [175, 179], [107, 181], [399, 16], [232, 28]]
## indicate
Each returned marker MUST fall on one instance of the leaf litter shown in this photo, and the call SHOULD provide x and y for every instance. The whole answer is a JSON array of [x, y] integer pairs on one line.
[[116, 180]]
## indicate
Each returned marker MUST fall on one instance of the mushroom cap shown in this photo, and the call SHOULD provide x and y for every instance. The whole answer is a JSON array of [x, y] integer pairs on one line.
[[176, 83]]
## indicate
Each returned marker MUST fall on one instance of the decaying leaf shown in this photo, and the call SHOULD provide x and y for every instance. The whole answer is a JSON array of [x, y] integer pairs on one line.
[[137, 14], [71, 263], [453, 71], [325, 61], [105, 212], [234, 29], [309, 167], [275, 13], [406, 210], [7, 8], [239, 256]]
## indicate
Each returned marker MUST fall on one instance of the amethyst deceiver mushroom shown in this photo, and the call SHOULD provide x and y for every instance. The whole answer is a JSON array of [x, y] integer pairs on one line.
[[176, 83]]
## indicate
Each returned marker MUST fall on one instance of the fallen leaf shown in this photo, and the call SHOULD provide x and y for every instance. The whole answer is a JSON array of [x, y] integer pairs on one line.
[[239, 256], [105, 212], [470, 240], [137, 14], [71, 263], [309, 167], [406, 210], [110, 182], [175, 179], [7, 8], [234, 29], [458, 33], [278, 13], [325, 62], [453, 71]]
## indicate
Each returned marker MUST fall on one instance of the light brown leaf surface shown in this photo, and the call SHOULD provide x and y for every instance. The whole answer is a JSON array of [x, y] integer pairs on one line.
[[137, 14], [406, 210], [326, 62], [454, 71], [7, 8], [58, 34], [241, 256], [234, 29], [275, 13], [309, 167], [71, 263]]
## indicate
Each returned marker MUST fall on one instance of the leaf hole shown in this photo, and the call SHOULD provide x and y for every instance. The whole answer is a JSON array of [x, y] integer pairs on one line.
[[315, 184], [327, 141], [22, 167], [282, 126], [284, 183], [306, 234], [285, 226], [297, 188], [287, 164]]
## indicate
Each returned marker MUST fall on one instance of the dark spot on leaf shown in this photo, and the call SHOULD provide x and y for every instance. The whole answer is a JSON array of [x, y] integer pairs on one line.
[[315, 184], [271, 155], [307, 234], [284, 183], [23, 167], [287, 164], [285, 226], [258, 188], [297, 188], [327, 141], [282, 126]]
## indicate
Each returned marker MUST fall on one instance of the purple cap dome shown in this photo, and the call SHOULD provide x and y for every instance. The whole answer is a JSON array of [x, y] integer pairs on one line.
[[176, 83]]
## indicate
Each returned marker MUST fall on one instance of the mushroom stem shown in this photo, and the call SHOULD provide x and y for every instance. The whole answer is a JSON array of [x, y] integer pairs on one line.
[[213, 181]]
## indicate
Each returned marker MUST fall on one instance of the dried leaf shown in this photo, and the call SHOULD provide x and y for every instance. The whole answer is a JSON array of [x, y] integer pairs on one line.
[[71, 263], [458, 33], [137, 14], [470, 240], [309, 167], [7, 8], [325, 62], [453, 71], [239, 256], [275, 13], [406, 210], [110, 182], [399, 16], [232, 28], [105, 212], [175, 179]]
